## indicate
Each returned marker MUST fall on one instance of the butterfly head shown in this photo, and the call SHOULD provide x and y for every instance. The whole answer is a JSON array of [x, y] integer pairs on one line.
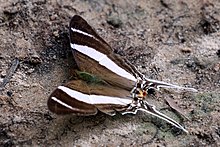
[[143, 89]]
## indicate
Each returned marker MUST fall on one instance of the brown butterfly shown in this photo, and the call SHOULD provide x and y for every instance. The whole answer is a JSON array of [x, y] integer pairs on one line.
[[114, 85]]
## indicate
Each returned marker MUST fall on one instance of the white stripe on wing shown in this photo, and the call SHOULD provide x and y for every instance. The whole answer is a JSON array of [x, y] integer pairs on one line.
[[103, 60], [62, 103], [81, 32], [94, 99]]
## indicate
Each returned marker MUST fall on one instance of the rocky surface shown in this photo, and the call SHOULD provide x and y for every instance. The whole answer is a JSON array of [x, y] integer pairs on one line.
[[173, 41]]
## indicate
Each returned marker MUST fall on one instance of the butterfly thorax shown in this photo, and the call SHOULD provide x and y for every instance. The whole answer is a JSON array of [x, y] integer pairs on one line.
[[142, 89]]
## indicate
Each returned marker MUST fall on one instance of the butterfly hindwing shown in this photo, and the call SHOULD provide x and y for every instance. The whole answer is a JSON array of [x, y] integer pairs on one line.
[[81, 98]]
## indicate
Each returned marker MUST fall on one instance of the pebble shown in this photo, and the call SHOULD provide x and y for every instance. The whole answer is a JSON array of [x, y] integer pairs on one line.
[[114, 21], [53, 17], [186, 50], [3, 73], [216, 67], [30, 71]]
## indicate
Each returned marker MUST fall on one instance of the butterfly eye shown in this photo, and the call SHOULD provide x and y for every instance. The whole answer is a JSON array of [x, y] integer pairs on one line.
[[144, 93]]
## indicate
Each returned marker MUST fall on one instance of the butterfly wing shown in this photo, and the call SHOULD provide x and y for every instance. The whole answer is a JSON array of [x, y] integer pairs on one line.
[[95, 56], [81, 98]]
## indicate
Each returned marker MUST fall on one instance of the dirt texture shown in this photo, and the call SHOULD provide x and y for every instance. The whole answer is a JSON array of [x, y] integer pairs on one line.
[[174, 41]]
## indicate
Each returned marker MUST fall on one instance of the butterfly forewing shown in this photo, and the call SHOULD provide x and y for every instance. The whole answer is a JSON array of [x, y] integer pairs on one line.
[[81, 98], [95, 56]]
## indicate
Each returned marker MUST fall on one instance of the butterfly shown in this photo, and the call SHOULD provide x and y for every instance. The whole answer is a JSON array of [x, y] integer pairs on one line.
[[109, 82]]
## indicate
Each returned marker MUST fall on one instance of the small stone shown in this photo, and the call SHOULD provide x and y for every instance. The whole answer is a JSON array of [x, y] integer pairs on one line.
[[19, 96], [11, 10], [114, 21], [216, 67], [54, 57], [30, 71], [34, 57], [53, 17], [186, 50], [56, 33], [3, 73], [35, 85], [26, 85]]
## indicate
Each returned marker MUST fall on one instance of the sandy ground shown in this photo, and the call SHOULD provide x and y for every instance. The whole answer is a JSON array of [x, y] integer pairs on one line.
[[174, 41]]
